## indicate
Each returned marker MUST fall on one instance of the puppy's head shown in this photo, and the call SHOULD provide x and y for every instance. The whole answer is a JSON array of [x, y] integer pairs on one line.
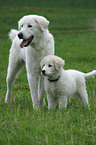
[[31, 28], [51, 65]]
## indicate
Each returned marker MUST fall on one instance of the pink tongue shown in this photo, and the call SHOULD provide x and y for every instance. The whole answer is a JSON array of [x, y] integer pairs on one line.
[[23, 43]]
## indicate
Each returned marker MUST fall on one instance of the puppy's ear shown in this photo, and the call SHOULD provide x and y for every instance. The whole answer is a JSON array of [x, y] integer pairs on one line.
[[42, 22], [41, 63], [59, 64]]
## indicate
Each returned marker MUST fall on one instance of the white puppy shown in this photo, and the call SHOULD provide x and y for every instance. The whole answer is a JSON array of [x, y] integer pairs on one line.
[[29, 44], [61, 84]]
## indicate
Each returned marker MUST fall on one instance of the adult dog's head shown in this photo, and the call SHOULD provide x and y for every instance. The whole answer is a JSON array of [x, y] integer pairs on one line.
[[31, 28], [51, 65]]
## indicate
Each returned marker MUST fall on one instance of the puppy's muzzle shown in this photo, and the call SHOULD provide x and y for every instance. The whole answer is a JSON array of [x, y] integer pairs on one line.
[[43, 72], [20, 35]]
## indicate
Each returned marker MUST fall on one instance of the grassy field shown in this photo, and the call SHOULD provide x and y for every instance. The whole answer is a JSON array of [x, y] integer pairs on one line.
[[74, 32]]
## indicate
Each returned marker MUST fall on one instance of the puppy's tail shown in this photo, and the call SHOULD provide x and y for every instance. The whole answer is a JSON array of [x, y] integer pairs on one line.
[[90, 74], [12, 34]]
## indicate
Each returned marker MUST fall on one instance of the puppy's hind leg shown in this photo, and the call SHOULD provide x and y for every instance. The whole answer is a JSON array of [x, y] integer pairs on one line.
[[83, 96], [14, 67]]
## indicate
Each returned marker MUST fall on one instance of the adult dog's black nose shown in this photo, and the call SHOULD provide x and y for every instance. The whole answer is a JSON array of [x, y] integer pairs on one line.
[[43, 72], [20, 35]]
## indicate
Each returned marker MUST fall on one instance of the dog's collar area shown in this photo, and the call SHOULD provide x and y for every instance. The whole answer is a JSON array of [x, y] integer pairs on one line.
[[55, 80]]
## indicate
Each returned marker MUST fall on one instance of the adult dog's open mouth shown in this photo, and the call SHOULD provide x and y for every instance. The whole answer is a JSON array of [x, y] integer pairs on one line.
[[27, 42]]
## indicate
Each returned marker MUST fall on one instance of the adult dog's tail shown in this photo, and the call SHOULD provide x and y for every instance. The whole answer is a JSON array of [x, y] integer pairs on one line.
[[90, 74], [12, 34]]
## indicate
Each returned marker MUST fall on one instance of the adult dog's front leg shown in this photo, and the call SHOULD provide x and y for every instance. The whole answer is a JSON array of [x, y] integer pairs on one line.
[[33, 83], [41, 90]]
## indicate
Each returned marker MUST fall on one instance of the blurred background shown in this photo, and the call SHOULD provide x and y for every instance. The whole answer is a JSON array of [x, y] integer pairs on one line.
[[51, 3], [62, 14]]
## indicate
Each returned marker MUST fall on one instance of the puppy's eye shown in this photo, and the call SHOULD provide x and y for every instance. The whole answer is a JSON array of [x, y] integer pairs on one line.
[[43, 65], [29, 26], [50, 65]]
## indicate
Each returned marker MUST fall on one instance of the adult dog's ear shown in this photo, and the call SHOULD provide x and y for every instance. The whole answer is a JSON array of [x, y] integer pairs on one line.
[[42, 22], [19, 25], [59, 63], [20, 22]]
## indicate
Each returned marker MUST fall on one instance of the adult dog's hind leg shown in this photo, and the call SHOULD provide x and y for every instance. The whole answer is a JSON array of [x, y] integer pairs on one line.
[[15, 64]]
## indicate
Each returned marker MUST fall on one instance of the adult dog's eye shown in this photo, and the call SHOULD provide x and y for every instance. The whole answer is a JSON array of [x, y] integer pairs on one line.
[[49, 65], [29, 26], [21, 26]]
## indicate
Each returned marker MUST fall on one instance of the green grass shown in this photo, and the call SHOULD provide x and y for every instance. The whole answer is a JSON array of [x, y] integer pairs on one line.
[[75, 41], [51, 3]]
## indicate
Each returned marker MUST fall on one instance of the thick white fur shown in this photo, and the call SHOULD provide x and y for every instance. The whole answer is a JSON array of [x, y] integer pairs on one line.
[[42, 45], [13, 33], [70, 82]]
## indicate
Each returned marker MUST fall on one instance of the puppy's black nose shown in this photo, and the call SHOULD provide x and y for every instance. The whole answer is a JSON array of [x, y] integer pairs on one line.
[[20, 35], [43, 72]]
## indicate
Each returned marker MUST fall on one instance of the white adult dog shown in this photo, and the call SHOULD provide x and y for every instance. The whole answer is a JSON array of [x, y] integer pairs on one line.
[[29, 44], [61, 84]]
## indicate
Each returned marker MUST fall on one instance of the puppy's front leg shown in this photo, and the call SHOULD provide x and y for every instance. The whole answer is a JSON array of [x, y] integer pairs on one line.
[[51, 102], [63, 101]]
